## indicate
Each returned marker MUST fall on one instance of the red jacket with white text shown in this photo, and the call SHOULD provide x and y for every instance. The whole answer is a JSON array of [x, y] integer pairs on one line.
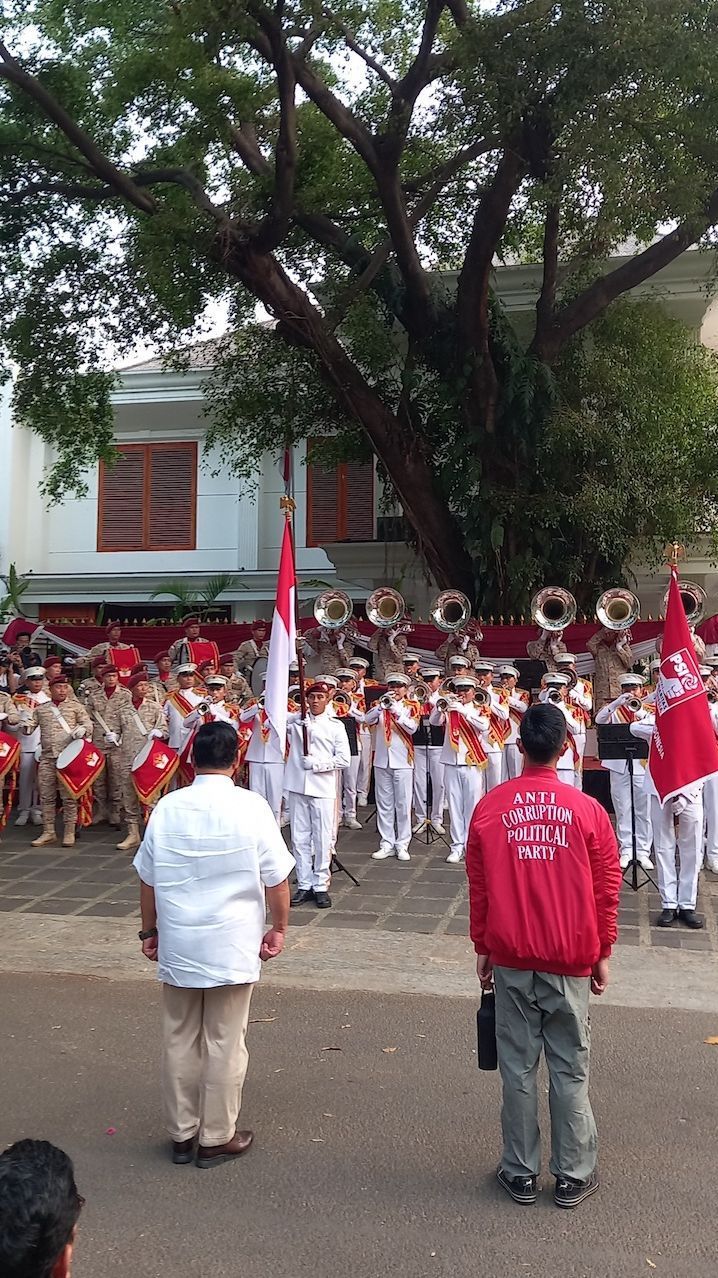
[[544, 878]]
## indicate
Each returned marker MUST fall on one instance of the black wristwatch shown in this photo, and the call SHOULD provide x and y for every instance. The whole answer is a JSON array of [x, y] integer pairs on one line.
[[145, 936]]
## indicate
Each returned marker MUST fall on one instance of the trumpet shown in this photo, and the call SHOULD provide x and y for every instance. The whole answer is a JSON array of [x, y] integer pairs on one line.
[[712, 696], [447, 703], [341, 699], [420, 691], [387, 701], [554, 696], [203, 707], [553, 608], [635, 704]]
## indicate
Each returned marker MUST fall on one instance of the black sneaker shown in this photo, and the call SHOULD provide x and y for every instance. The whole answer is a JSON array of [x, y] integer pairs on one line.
[[666, 918], [322, 900], [521, 1188], [301, 896], [689, 918], [569, 1193]]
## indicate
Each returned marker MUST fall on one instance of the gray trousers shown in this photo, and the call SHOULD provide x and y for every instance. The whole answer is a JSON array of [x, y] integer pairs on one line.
[[536, 1010]]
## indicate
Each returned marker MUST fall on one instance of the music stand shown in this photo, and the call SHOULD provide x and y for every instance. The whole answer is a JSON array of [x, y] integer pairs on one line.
[[428, 835], [616, 741]]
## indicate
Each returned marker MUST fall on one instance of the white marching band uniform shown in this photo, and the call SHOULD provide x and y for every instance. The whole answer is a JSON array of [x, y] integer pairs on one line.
[[311, 785], [678, 888], [265, 758], [465, 767], [393, 775], [429, 766], [618, 712]]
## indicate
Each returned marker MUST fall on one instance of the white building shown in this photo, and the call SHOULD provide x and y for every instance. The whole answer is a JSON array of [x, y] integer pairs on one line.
[[169, 510]]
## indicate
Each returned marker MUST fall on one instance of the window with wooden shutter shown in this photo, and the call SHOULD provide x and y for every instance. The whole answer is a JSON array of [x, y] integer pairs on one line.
[[148, 500], [340, 503]]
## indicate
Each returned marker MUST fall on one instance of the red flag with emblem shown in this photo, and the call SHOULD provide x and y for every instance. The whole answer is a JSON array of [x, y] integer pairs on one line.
[[683, 747]]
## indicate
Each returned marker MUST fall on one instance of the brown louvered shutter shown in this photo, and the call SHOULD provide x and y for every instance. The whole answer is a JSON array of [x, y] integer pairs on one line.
[[121, 500], [172, 496], [322, 504], [358, 504]]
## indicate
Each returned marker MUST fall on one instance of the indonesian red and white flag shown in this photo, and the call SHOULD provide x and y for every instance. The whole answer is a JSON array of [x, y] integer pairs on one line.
[[283, 641], [683, 747]]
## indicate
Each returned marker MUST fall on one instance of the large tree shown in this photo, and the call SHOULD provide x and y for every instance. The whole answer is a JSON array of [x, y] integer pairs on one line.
[[359, 168]]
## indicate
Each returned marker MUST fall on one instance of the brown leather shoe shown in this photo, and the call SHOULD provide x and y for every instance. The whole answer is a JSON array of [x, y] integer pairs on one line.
[[212, 1156], [183, 1150]]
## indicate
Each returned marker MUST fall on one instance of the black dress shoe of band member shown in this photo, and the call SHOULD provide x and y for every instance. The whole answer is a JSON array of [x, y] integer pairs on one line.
[[666, 918], [521, 1188], [216, 1154], [569, 1193], [183, 1150], [301, 896], [322, 900], [689, 918]]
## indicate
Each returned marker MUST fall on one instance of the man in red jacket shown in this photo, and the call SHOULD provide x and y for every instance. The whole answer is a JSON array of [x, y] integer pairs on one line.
[[544, 882]]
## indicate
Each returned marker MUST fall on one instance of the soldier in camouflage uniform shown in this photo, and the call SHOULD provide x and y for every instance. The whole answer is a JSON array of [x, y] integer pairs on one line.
[[60, 721], [237, 687], [103, 707], [140, 718]]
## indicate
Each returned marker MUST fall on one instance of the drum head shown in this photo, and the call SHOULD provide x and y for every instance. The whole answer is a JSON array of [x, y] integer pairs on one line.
[[70, 753], [143, 754], [258, 669]]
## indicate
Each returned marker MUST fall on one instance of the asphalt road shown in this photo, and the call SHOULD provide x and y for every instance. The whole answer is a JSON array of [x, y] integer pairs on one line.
[[376, 1141]]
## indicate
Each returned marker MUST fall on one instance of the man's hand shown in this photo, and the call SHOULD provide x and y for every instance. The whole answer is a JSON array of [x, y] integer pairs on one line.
[[485, 971], [79, 734], [150, 948], [308, 763], [599, 977], [272, 944]]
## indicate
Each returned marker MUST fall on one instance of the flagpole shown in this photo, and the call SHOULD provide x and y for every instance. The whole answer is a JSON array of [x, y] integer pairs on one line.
[[288, 505]]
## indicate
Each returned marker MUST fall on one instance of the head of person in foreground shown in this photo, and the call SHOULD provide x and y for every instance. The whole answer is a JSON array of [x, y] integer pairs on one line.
[[542, 735], [39, 1210]]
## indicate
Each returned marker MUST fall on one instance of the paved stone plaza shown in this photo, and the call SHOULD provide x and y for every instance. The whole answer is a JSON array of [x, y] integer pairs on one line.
[[424, 896]]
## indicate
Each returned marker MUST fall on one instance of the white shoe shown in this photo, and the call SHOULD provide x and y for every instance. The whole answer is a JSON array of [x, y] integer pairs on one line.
[[351, 823], [36, 816], [23, 817], [454, 857], [437, 827], [283, 822], [362, 801], [646, 862], [420, 827], [381, 854], [624, 860], [712, 866], [402, 854]]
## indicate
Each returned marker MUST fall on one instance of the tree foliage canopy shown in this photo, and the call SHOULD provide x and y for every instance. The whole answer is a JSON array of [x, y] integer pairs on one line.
[[359, 169]]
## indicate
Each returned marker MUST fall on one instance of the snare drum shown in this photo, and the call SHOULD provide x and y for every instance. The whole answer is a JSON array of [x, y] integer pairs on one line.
[[9, 753], [78, 766], [152, 770]]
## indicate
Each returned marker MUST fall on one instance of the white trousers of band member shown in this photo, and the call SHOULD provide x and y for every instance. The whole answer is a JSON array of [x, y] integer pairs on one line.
[[620, 784], [678, 888], [392, 792], [436, 773], [514, 761], [494, 772], [710, 809], [349, 777], [580, 739], [312, 824], [464, 787], [569, 776], [364, 738], [28, 797], [267, 779]]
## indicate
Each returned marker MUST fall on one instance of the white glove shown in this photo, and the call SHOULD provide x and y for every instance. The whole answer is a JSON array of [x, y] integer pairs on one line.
[[2, 716], [112, 738], [464, 643], [679, 804], [38, 754], [78, 734], [308, 763], [158, 734]]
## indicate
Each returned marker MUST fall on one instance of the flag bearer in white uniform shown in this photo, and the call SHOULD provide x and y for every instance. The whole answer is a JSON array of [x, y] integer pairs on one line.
[[569, 764], [311, 785], [394, 767], [464, 755], [622, 710], [27, 697], [518, 702], [499, 729], [428, 746], [678, 888]]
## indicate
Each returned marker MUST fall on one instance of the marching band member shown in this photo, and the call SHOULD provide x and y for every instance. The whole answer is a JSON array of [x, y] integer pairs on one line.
[[113, 640], [398, 720], [333, 647], [411, 668], [88, 686], [360, 665], [459, 664], [252, 648], [620, 710], [348, 685], [611, 652], [104, 708], [389, 647], [698, 645], [654, 674], [710, 785], [311, 785], [219, 708], [462, 643], [29, 695], [238, 689], [141, 667], [556, 689], [265, 758], [165, 681], [678, 889], [464, 755], [140, 717], [546, 648], [499, 726], [181, 650], [60, 721], [204, 670], [518, 703], [180, 702], [428, 764], [580, 698]]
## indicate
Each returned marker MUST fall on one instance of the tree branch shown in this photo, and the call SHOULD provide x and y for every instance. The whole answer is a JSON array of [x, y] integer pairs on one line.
[[13, 72], [351, 43], [547, 297], [274, 228], [243, 138]]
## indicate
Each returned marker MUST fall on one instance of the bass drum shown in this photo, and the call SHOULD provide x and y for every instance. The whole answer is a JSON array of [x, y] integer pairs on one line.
[[256, 681]]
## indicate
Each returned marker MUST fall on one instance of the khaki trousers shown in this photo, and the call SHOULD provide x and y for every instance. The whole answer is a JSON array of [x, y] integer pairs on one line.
[[204, 1060], [48, 786], [536, 1010]]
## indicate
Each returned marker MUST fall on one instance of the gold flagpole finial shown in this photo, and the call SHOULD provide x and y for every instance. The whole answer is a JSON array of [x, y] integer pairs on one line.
[[674, 553], [287, 505]]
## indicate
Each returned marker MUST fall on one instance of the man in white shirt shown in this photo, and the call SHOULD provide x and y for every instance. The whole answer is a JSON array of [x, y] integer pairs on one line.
[[310, 783], [464, 755], [397, 722], [210, 855]]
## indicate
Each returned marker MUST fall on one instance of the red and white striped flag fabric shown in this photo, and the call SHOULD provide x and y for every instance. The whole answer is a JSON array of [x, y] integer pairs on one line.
[[683, 747], [283, 641]]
